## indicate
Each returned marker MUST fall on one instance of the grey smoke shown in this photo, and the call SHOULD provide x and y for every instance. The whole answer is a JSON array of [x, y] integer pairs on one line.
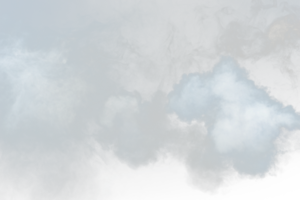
[[136, 131], [85, 74], [253, 37], [241, 123], [242, 120], [47, 97]]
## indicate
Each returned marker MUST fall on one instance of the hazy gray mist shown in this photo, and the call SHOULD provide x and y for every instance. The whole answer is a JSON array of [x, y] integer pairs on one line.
[[142, 79]]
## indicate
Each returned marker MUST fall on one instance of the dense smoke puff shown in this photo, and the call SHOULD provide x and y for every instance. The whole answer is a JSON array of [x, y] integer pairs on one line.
[[241, 119]]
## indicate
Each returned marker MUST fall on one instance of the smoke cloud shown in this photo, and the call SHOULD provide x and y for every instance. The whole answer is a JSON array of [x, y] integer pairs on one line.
[[81, 81], [241, 119], [136, 130], [255, 37], [225, 121], [46, 99]]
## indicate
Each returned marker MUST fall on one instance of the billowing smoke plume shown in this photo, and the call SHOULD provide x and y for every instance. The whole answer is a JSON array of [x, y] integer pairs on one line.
[[225, 121], [90, 75], [242, 121]]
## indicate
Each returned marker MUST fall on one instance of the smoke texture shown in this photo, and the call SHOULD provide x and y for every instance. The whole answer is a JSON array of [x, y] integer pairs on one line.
[[86, 82], [241, 119]]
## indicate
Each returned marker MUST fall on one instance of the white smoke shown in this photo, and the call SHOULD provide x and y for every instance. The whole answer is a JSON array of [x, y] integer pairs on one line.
[[39, 98], [97, 74], [241, 119]]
